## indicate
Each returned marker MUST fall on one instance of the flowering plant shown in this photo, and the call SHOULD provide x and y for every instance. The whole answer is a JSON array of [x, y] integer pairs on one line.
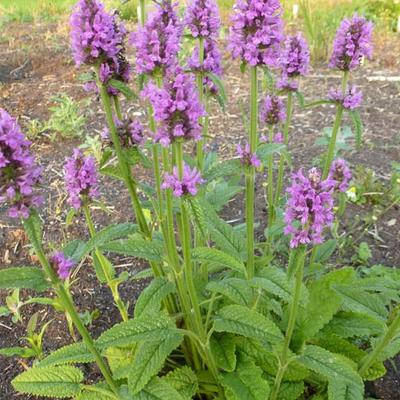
[[224, 316]]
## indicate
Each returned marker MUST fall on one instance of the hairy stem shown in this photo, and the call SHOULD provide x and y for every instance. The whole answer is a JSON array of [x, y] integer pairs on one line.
[[200, 86], [294, 307]]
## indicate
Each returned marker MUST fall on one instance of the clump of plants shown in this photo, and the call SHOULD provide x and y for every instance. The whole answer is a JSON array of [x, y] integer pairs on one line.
[[224, 316]]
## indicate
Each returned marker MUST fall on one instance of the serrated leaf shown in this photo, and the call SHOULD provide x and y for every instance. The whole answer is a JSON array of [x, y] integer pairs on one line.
[[148, 327], [149, 359], [33, 228], [329, 365], [266, 150], [120, 360], [184, 380], [103, 267], [124, 89], [74, 249], [158, 389], [23, 278], [236, 290], [217, 257], [350, 324], [58, 382], [245, 383], [70, 354], [339, 390], [24, 352], [291, 390], [151, 298], [274, 281], [218, 83], [222, 170], [247, 322], [325, 250], [358, 126], [198, 215], [136, 247], [223, 348], [357, 300]]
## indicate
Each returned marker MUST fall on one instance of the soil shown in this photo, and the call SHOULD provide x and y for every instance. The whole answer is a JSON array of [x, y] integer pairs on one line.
[[35, 65]]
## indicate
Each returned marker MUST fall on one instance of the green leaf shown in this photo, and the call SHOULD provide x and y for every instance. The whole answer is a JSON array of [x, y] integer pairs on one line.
[[184, 380], [24, 352], [236, 290], [120, 360], [149, 359], [136, 247], [358, 126], [158, 389], [359, 301], [198, 215], [70, 354], [221, 170], [58, 382], [329, 365], [350, 324], [33, 228], [151, 298], [247, 322], [325, 250], [147, 327], [74, 249], [23, 278], [245, 383], [266, 150], [218, 83], [274, 281], [217, 257], [339, 390], [102, 266], [223, 348], [291, 390], [124, 89]]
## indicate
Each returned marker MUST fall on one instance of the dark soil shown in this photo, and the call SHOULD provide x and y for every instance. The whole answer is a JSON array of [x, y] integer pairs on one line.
[[35, 65]]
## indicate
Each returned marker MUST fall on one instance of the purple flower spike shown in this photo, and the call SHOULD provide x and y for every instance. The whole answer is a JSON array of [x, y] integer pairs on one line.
[[351, 100], [295, 57], [248, 158], [81, 179], [61, 264], [273, 111], [188, 185], [340, 173], [212, 63], [202, 18], [19, 174], [309, 208], [177, 108], [353, 41], [286, 84], [157, 43], [256, 31]]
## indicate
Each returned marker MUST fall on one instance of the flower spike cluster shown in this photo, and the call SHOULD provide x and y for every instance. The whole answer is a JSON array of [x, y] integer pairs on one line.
[[212, 63], [188, 185], [273, 111], [177, 108], [247, 158], [202, 18], [309, 208], [97, 38], [256, 32], [350, 100], [157, 43], [340, 173], [81, 179], [353, 41], [19, 174], [61, 264]]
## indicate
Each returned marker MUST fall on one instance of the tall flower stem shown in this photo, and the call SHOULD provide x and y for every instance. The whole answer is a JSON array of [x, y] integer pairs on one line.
[[68, 304], [270, 188], [294, 307], [105, 270], [200, 87], [367, 361], [281, 168], [335, 130], [142, 11], [250, 177]]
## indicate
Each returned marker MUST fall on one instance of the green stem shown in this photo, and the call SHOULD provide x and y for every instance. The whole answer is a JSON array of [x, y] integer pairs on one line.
[[335, 130], [367, 361], [200, 87], [114, 289], [123, 164], [70, 308], [250, 177], [294, 307], [281, 168], [142, 10], [270, 189]]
